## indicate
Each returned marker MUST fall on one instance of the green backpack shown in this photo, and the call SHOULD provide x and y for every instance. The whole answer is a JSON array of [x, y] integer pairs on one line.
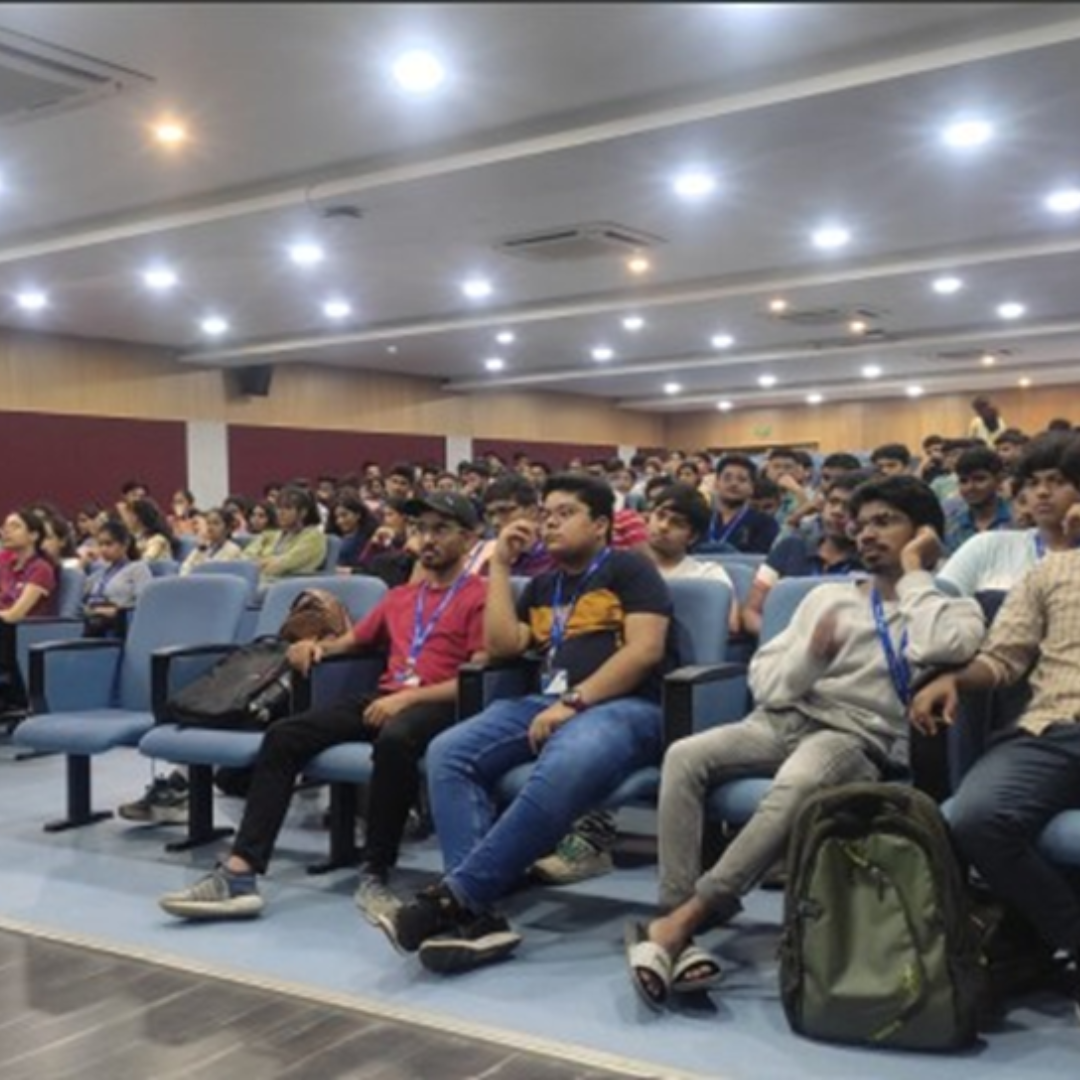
[[879, 947]]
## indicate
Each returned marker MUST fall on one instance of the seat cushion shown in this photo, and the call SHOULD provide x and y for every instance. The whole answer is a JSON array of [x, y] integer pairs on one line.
[[94, 731], [201, 746], [1059, 841], [737, 801], [640, 786], [349, 763]]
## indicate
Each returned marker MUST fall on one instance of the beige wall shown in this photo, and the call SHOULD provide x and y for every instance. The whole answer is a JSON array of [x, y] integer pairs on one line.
[[861, 425], [40, 373]]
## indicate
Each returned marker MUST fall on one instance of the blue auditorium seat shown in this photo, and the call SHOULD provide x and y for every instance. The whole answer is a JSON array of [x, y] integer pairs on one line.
[[237, 568]]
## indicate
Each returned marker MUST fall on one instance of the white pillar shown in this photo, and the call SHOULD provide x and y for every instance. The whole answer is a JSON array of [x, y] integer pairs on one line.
[[458, 448], [208, 461], [626, 453]]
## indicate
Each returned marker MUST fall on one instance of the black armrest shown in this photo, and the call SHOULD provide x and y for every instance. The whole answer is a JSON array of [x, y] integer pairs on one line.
[[471, 680], [161, 669], [302, 687], [39, 654], [678, 699]]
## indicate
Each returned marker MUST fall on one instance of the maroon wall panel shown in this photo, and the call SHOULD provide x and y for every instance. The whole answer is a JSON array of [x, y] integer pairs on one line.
[[258, 455], [71, 460], [556, 455]]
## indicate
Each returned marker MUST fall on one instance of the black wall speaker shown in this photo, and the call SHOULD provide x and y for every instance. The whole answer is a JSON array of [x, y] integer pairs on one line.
[[255, 381]]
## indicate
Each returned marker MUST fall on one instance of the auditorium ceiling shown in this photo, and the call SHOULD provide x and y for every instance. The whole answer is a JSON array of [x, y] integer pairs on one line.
[[669, 206]]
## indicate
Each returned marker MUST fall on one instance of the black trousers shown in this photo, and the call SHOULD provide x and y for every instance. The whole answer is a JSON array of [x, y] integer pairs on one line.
[[290, 744]]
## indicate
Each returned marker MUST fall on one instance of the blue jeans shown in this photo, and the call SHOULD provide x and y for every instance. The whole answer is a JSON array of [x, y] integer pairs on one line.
[[1003, 804], [582, 763]]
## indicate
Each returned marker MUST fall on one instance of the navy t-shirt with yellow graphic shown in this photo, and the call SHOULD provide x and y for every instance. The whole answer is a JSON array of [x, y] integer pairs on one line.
[[624, 584]]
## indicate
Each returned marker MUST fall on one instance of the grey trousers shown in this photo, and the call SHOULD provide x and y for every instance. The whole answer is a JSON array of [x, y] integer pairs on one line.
[[800, 754]]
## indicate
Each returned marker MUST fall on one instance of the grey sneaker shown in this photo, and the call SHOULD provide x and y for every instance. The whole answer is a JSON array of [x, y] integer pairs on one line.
[[164, 802], [374, 897], [219, 895], [575, 859]]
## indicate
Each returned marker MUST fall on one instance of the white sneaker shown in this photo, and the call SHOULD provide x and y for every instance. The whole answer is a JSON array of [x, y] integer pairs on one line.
[[218, 895]]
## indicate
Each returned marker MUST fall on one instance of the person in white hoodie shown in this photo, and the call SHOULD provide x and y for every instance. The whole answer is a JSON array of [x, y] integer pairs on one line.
[[831, 693]]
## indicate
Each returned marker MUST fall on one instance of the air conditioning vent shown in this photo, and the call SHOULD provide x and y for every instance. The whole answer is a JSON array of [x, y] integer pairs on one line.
[[38, 79], [571, 242], [829, 316]]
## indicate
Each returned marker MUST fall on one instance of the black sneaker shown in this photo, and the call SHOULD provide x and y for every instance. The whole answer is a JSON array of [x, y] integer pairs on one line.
[[475, 941], [434, 911]]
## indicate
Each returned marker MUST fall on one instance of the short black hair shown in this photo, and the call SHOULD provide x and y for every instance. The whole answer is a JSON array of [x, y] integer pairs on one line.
[[850, 480], [1012, 436], [741, 460], [302, 501], [404, 470], [764, 488], [688, 502], [1070, 463], [933, 440], [842, 460], [596, 494], [128, 486], [782, 452], [892, 452], [512, 486], [1059, 424], [1046, 451], [804, 458], [908, 494], [979, 459]]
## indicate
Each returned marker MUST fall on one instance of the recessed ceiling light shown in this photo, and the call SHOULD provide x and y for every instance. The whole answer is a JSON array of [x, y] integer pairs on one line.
[[306, 254], [830, 237], [1024, 382], [766, 381], [814, 399], [337, 309], [694, 184], [638, 264], [672, 388], [988, 359], [170, 133], [946, 286], [602, 353], [721, 341], [160, 278], [391, 349], [213, 325], [494, 363], [858, 326], [1065, 201], [966, 134], [1010, 310], [871, 371], [506, 337], [913, 391], [778, 305], [418, 71], [633, 323], [32, 301], [724, 406], [476, 288]]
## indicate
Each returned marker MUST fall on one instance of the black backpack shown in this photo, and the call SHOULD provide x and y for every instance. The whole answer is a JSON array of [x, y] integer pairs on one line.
[[879, 946], [244, 691]]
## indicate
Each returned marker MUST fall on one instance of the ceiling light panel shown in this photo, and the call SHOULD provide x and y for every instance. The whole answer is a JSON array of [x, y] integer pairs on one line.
[[419, 71]]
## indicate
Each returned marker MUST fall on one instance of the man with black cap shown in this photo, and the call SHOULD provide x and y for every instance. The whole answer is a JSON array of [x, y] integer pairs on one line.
[[429, 627]]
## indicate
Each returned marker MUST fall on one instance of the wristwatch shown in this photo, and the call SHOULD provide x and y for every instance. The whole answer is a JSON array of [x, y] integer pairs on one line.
[[573, 699]]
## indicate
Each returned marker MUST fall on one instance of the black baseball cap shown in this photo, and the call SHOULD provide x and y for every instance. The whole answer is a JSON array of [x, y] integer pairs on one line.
[[449, 504]]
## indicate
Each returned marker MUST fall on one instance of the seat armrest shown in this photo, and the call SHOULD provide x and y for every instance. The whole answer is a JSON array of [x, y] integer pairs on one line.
[[678, 694], [81, 665], [336, 677], [479, 684], [163, 667]]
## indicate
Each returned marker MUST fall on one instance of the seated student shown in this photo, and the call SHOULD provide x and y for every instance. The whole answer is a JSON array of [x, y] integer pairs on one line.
[[1030, 773], [831, 695], [215, 541], [794, 556], [87, 522], [146, 523], [787, 468], [113, 589], [59, 543], [680, 516], [185, 517], [1010, 444], [260, 518], [513, 498], [735, 525], [354, 522], [391, 553], [980, 507], [806, 519], [28, 578], [399, 482], [997, 560], [946, 485], [297, 546], [933, 459], [892, 459], [601, 621], [768, 498], [431, 628]]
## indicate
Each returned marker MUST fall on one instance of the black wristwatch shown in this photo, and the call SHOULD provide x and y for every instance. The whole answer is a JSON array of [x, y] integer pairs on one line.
[[573, 699]]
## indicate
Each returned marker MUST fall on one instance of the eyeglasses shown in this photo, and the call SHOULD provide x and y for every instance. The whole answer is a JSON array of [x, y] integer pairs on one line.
[[877, 522], [499, 510]]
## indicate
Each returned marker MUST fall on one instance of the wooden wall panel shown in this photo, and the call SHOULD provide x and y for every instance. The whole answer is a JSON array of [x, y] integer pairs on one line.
[[553, 454]]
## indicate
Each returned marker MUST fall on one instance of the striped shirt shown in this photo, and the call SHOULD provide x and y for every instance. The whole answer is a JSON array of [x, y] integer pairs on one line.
[[1039, 624]]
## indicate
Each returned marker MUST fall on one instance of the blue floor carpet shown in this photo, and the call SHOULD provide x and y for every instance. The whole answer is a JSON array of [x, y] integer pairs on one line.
[[566, 986]]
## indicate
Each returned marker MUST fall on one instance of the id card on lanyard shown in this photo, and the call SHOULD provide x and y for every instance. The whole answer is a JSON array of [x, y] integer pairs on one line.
[[729, 529], [899, 668], [555, 680], [424, 628]]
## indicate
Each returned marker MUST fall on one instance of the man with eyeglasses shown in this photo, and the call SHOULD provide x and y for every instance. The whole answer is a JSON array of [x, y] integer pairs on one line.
[[513, 498], [430, 628], [831, 693], [600, 620]]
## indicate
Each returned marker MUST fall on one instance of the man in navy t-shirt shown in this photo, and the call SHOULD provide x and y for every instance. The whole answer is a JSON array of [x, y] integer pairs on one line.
[[735, 525]]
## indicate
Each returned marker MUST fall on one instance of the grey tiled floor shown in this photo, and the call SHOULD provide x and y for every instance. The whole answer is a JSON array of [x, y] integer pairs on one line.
[[72, 1012]]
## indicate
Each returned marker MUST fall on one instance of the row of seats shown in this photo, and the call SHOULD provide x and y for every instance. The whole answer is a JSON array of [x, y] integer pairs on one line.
[[187, 544]]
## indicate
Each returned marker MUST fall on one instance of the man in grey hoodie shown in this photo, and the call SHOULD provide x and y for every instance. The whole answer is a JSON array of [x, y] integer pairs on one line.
[[831, 693]]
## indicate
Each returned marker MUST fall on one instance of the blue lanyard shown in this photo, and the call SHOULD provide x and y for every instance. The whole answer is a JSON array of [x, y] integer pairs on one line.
[[1040, 547], [899, 668], [98, 591], [729, 529], [560, 616], [423, 630]]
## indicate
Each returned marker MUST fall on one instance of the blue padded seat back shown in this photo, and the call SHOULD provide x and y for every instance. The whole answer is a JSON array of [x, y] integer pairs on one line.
[[185, 545], [333, 550], [701, 611], [357, 592], [742, 577], [784, 597], [160, 568], [240, 568], [176, 611], [69, 597]]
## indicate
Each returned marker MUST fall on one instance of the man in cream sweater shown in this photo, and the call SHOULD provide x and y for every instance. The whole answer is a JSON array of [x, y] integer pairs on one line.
[[831, 694]]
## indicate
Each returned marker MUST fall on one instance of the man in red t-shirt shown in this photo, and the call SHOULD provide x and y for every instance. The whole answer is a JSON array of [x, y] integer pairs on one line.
[[430, 628]]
